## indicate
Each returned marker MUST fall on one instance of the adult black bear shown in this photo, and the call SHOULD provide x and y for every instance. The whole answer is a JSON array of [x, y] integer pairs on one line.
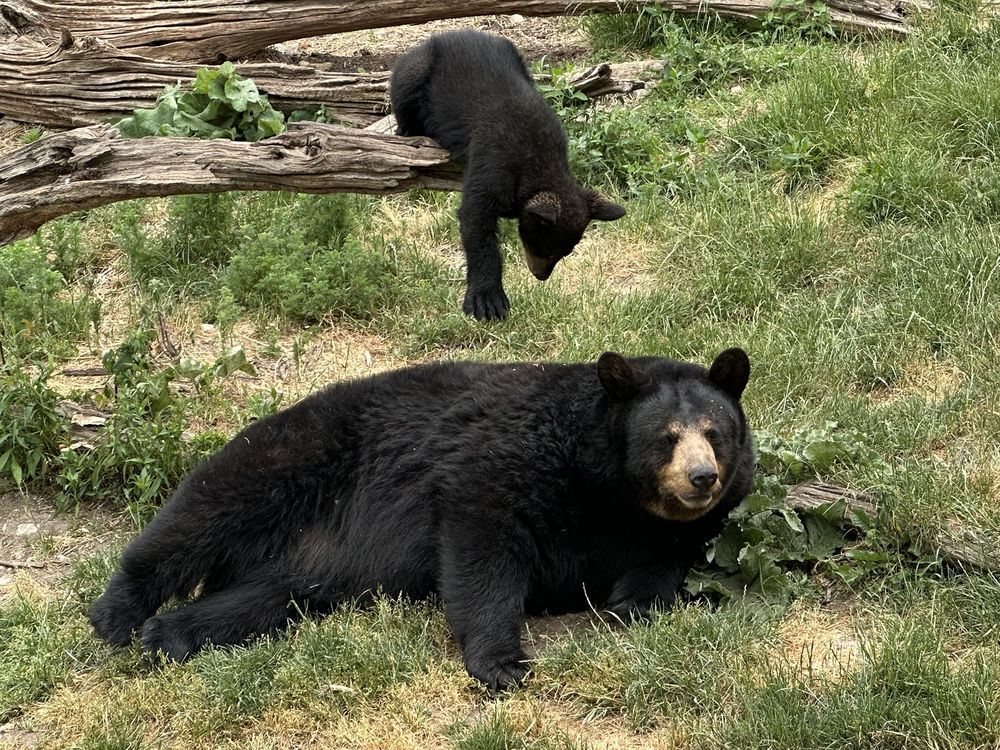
[[505, 489], [472, 93]]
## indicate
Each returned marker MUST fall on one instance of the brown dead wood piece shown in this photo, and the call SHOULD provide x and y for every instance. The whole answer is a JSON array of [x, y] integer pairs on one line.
[[93, 166], [955, 544], [210, 30], [75, 82], [78, 82], [21, 564], [84, 372]]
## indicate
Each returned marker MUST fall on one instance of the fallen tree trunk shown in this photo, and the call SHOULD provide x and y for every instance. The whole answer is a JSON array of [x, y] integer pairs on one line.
[[74, 83], [210, 30], [959, 546], [81, 82], [94, 166]]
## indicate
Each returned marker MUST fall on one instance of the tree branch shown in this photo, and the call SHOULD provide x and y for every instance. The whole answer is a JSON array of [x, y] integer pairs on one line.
[[94, 166], [209, 30]]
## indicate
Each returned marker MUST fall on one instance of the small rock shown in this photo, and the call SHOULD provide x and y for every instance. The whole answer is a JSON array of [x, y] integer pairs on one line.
[[207, 328], [516, 19], [737, 89], [26, 529]]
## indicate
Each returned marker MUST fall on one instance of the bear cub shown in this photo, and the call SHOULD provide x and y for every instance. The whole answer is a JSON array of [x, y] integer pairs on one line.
[[472, 93], [504, 489]]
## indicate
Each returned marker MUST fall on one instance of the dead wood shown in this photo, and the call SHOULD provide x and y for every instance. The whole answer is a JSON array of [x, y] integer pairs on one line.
[[69, 83], [72, 83], [93, 166], [210, 30], [21, 564]]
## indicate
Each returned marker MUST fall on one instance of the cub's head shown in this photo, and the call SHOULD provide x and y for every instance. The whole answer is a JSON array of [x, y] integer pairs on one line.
[[686, 439], [551, 224]]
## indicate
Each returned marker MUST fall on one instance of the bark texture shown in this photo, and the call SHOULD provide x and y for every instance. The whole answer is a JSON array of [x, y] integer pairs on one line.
[[92, 166], [210, 30]]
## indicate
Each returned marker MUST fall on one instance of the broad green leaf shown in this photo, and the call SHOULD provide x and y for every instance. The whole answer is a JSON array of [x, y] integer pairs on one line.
[[240, 92], [233, 360]]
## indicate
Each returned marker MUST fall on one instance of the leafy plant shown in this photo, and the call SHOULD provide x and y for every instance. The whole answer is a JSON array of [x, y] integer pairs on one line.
[[812, 451], [220, 104], [766, 548], [806, 18], [36, 316], [203, 376], [31, 426], [305, 281]]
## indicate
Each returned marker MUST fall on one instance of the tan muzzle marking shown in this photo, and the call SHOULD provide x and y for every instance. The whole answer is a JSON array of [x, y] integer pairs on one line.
[[692, 451]]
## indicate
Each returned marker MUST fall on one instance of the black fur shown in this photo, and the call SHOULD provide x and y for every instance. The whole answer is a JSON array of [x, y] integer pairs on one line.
[[506, 489], [472, 93]]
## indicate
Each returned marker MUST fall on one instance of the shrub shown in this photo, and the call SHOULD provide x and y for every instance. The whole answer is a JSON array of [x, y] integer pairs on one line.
[[36, 315]]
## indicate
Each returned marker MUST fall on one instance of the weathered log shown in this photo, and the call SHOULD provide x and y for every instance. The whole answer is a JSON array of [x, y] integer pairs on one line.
[[73, 83], [93, 166], [963, 547], [210, 30]]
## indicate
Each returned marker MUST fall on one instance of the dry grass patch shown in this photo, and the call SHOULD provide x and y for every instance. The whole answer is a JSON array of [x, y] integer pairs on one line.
[[823, 645]]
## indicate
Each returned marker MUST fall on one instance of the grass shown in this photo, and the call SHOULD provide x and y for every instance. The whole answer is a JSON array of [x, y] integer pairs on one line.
[[828, 204]]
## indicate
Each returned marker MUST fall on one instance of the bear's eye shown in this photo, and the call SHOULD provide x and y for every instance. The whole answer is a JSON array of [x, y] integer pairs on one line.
[[712, 434]]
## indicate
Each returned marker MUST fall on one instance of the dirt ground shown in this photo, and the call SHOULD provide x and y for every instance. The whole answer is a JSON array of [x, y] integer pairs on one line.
[[37, 544], [555, 39]]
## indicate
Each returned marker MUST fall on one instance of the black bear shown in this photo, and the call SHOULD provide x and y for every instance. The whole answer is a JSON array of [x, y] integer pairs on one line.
[[472, 93], [505, 489]]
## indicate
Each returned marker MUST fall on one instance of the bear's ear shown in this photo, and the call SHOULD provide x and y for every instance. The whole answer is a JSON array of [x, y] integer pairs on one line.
[[601, 209], [731, 371], [620, 380], [545, 206]]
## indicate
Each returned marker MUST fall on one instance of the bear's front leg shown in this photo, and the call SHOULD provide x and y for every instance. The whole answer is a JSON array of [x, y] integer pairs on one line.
[[641, 589], [478, 215], [484, 586]]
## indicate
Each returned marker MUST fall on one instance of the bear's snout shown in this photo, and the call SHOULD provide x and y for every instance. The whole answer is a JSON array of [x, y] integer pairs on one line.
[[540, 266], [703, 477]]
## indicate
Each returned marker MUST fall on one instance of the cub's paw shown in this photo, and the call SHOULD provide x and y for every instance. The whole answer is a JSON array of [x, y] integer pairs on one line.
[[160, 636], [486, 303], [499, 672], [115, 617]]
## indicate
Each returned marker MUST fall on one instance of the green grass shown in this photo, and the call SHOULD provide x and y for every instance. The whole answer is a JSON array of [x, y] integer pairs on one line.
[[828, 204]]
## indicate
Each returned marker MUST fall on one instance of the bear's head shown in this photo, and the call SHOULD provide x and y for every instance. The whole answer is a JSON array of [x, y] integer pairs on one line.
[[551, 224], [686, 438]]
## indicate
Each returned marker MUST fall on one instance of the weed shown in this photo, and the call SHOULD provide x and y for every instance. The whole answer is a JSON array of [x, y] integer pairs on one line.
[[33, 134], [196, 242], [36, 317], [31, 427]]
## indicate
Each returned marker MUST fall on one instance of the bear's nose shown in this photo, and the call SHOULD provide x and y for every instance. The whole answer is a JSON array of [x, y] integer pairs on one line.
[[703, 477]]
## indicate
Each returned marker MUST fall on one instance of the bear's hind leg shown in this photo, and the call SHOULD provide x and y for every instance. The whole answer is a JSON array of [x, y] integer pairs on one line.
[[189, 539], [231, 616]]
